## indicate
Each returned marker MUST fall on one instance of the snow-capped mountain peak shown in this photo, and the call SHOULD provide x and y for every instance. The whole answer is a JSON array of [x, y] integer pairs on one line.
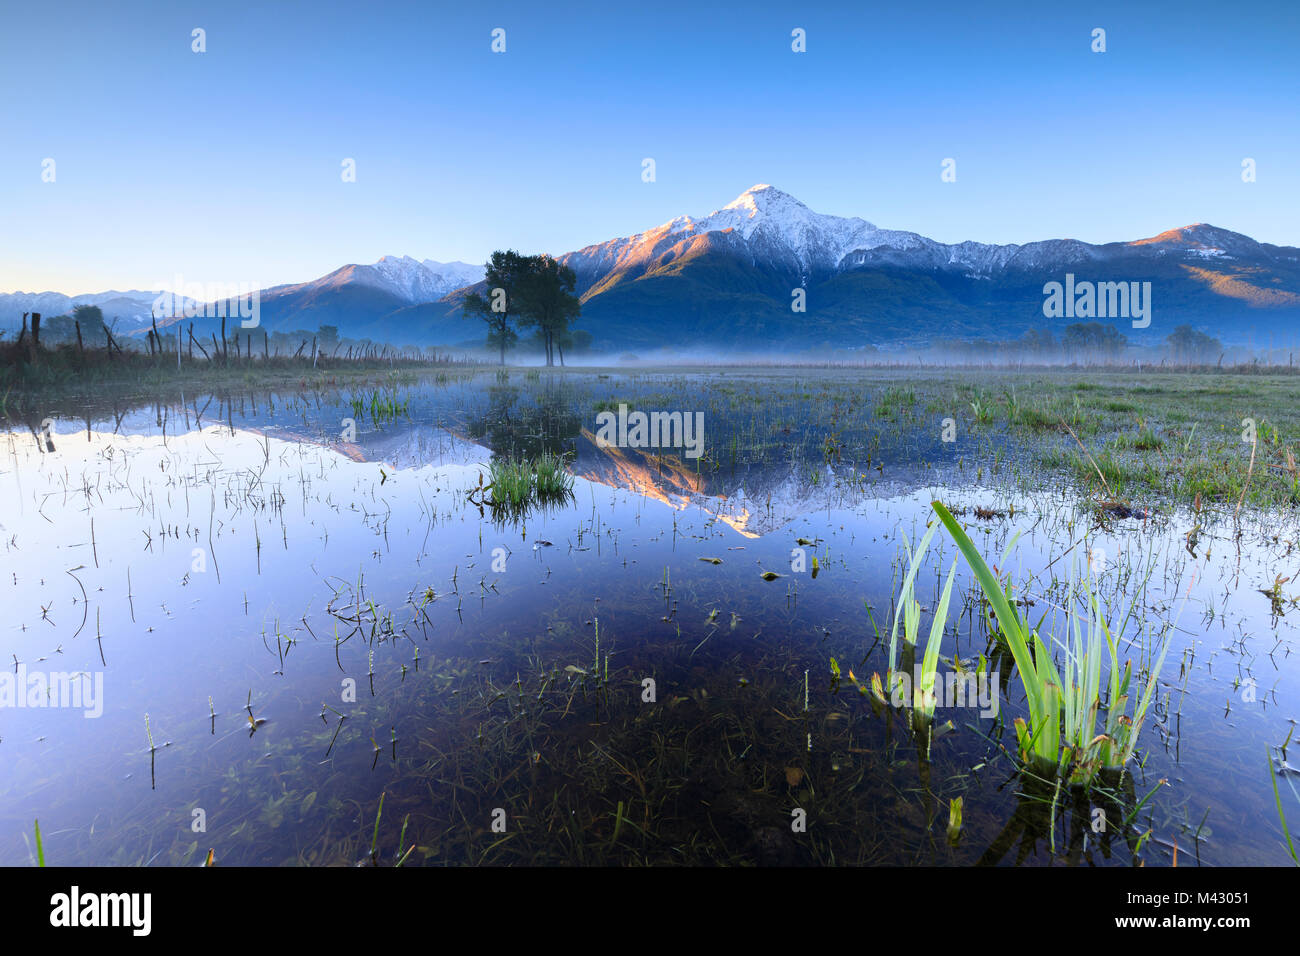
[[764, 204], [458, 274], [763, 199], [775, 231], [779, 227], [417, 281]]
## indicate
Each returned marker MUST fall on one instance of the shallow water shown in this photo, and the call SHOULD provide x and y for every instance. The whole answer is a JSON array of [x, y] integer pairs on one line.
[[244, 550]]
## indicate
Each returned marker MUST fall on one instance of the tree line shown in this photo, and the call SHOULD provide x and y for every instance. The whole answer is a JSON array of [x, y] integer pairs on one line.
[[1088, 339], [527, 292]]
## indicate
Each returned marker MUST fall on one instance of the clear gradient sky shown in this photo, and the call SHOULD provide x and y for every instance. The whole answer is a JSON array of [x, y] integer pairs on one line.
[[225, 166]]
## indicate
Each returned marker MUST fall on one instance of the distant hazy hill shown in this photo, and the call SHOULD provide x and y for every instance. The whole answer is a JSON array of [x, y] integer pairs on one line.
[[378, 301], [131, 308], [361, 299]]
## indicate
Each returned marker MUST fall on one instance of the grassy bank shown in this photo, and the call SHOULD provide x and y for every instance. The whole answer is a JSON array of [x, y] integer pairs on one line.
[[69, 371]]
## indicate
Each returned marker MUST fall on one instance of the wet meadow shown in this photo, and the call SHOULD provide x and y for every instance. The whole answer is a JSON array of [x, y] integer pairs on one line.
[[431, 617]]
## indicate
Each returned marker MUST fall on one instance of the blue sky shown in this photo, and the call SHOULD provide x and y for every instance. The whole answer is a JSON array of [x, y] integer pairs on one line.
[[225, 166]]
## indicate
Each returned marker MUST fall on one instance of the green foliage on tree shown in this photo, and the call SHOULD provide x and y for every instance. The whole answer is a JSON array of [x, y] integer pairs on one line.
[[327, 338], [1189, 345], [58, 329], [91, 320], [1094, 337], [504, 274], [1038, 342], [547, 302], [536, 292], [62, 329]]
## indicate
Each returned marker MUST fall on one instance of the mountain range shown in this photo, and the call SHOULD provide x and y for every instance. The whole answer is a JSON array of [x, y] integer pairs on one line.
[[730, 279]]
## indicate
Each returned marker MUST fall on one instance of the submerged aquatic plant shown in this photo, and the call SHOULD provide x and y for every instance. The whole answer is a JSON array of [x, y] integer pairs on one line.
[[955, 806], [1060, 736]]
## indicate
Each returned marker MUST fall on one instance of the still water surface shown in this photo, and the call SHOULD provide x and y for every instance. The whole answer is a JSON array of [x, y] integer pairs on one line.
[[282, 625]]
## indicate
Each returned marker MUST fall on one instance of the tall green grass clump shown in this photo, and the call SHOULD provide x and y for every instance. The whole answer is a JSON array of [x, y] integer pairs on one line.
[[908, 613], [516, 484], [1061, 736], [511, 482], [549, 477], [382, 408]]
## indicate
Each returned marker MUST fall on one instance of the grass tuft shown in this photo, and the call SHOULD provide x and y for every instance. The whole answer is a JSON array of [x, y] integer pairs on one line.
[[1061, 735]]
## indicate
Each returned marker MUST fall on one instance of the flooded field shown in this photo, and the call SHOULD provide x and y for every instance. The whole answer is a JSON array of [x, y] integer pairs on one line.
[[312, 627]]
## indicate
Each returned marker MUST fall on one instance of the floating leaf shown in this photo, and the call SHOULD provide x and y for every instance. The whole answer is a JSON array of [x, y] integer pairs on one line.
[[712, 560], [770, 575]]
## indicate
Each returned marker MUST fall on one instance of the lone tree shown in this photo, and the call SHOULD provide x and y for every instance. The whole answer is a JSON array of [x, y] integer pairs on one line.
[[328, 336], [1186, 344], [1094, 337], [548, 302], [505, 273], [90, 320], [1038, 342]]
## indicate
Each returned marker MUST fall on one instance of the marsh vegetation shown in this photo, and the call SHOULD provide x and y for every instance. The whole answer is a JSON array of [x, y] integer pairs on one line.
[[468, 633]]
